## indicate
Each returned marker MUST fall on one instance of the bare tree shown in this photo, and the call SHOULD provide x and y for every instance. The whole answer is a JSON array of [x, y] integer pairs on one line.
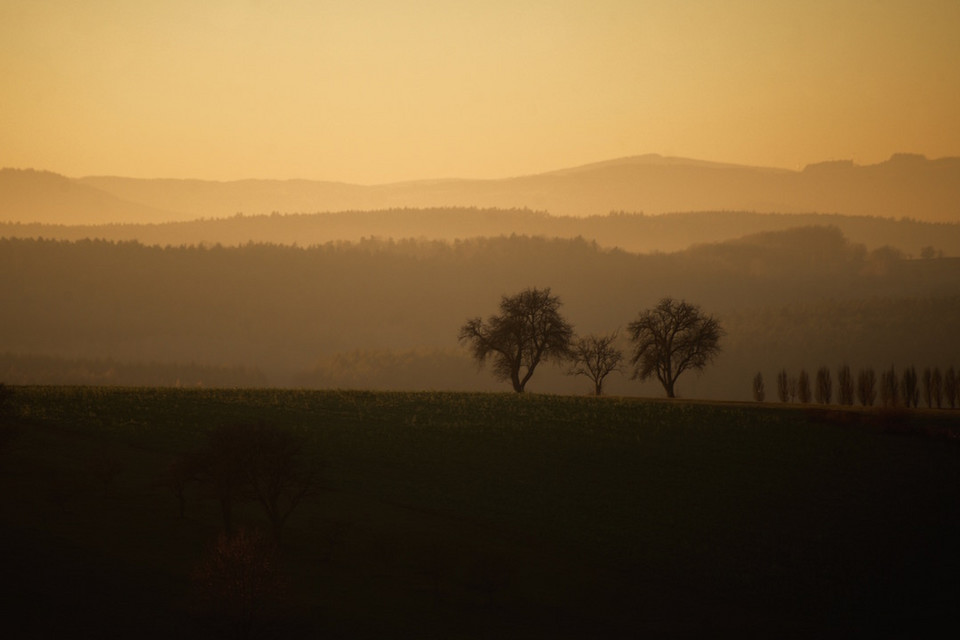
[[596, 357], [910, 390], [951, 389], [279, 472], [845, 385], [220, 466], [783, 386], [936, 387], [824, 390], [803, 387], [866, 387], [889, 388], [528, 331], [671, 338], [927, 389], [257, 462], [759, 393]]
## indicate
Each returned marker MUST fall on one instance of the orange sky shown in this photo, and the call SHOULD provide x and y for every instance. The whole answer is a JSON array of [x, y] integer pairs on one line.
[[373, 91]]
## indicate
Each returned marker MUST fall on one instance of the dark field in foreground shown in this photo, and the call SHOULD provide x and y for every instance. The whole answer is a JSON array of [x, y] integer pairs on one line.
[[491, 515]]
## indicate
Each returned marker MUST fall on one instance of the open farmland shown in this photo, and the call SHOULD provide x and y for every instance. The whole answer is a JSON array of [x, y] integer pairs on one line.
[[482, 515]]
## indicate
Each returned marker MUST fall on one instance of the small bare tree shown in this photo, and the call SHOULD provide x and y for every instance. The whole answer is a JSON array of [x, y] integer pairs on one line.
[[909, 388], [889, 388], [824, 386], [936, 387], [925, 380], [803, 387], [845, 387], [783, 386], [951, 390], [759, 393], [866, 387], [596, 357]]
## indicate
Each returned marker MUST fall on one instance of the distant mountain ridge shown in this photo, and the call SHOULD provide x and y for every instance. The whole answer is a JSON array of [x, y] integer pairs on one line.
[[906, 185]]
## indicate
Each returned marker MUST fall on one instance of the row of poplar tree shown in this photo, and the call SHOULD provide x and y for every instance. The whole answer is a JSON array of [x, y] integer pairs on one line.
[[892, 389]]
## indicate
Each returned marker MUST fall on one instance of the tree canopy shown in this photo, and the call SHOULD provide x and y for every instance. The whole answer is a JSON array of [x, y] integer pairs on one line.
[[671, 338], [529, 330], [596, 357]]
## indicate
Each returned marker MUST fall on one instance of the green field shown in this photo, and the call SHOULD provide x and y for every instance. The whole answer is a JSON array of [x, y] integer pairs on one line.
[[490, 515]]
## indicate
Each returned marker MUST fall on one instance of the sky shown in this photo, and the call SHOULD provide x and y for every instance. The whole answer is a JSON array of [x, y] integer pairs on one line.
[[378, 91]]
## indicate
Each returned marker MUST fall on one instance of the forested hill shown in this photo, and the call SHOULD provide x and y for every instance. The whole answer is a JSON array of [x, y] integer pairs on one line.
[[630, 231], [343, 314]]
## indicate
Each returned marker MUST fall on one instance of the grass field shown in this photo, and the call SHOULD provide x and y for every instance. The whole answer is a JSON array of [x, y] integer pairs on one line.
[[491, 515]]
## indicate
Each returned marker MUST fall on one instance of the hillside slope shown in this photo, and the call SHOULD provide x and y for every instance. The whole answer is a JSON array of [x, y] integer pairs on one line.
[[904, 186], [42, 196]]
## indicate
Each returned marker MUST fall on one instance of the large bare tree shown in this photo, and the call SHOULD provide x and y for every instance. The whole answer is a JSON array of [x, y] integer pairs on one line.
[[261, 462], [671, 338], [529, 330], [596, 357]]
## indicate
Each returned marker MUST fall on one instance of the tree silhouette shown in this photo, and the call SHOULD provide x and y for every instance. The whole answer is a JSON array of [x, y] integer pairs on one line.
[[528, 331], [889, 388], [803, 387], [824, 386], [845, 386], [951, 388], [926, 381], [257, 462], [783, 386], [759, 393], [279, 472], [910, 389], [866, 387], [671, 338], [596, 357], [936, 387]]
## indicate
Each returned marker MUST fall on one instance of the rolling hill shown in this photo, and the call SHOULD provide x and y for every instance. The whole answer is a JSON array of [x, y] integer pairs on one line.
[[906, 185]]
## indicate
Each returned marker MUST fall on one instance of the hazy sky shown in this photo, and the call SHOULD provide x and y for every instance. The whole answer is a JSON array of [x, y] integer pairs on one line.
[[374, 91]]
